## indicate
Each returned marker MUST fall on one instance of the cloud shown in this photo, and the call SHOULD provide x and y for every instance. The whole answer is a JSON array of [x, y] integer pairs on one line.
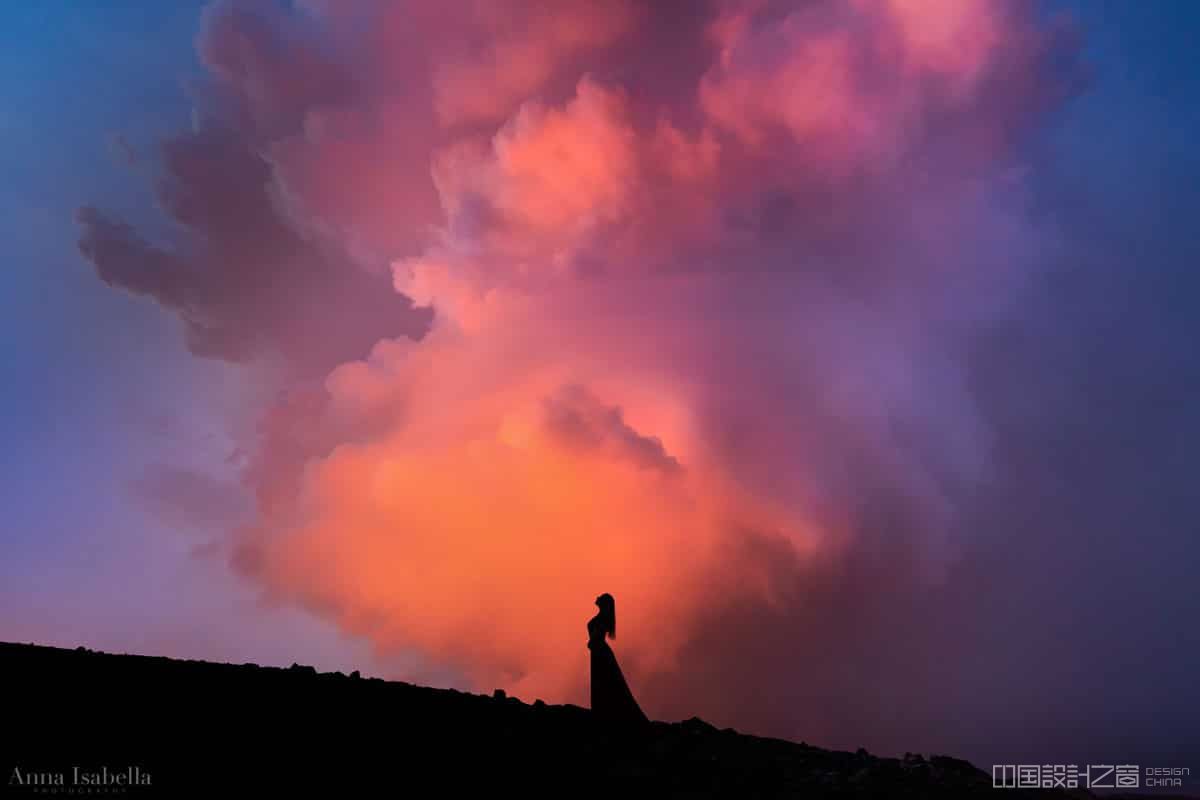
[[508, 54], [243, 276], [270, 68], [579, 419], [185, 498], [707, 310]]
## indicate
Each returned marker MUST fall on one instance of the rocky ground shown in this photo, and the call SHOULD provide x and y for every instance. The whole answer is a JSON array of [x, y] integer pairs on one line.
[[180, 728]]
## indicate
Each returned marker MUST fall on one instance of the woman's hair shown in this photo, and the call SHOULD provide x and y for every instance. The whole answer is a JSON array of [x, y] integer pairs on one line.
[[608, 614]]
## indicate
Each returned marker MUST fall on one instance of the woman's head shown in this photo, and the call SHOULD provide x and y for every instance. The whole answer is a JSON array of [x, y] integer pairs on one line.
[[608, 614]]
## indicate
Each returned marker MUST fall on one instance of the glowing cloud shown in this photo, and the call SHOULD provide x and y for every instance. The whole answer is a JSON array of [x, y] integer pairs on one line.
[[697, 348]]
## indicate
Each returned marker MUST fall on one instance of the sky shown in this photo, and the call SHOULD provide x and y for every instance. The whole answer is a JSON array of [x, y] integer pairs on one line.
[[848, 344]]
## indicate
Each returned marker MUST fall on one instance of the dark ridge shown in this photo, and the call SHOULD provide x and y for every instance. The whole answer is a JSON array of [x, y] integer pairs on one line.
[[194, 727]]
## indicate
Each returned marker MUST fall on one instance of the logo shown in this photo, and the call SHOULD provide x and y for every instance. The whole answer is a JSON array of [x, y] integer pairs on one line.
[[1089, 776], [78, 780]]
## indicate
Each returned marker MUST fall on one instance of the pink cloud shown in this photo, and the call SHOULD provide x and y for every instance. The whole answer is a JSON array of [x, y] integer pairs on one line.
[[509, 53], [696, 338]]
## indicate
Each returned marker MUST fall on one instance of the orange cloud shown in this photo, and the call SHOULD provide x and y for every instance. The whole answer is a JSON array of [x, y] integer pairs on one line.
[[681, 344], [506, 493]]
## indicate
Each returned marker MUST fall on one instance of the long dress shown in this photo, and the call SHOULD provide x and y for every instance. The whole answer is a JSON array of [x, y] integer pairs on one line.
[[612, 701]]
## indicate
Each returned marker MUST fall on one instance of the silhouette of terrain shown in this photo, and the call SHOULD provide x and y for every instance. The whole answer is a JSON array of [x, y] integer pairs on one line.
[[245, 730]]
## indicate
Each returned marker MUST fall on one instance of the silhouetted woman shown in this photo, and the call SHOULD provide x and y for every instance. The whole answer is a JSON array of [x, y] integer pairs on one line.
[[612, 702]]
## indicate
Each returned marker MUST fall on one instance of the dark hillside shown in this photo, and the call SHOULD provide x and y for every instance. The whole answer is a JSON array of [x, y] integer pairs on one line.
[[242, 730]]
